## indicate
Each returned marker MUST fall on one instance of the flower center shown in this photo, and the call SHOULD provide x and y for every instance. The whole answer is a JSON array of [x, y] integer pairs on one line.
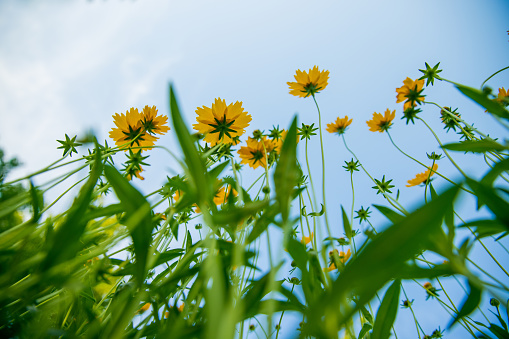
[[222, 127], [134, 135], [257, 156]]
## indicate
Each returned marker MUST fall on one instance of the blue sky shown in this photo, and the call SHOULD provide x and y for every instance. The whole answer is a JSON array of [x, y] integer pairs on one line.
[[68, 66]]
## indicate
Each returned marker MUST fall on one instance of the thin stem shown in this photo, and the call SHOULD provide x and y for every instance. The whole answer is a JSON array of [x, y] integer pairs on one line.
[[491, 76], [391, 200], [323, 168]]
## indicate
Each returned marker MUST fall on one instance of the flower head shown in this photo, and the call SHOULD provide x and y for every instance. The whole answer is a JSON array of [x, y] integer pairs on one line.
[[308, 83], [363, 214], [334, 256], [383, 186], [256, 151], [410, 114], [222, 194], [351, 165], [130, 130], [306, 240], [422, 178], [430, 74], [380, 122], [450, 118], [407, 303], [222, 123], [306, 131], [339, 126], [503, 96], [133, 171], [153, 123], [69, 145], [410, 93]]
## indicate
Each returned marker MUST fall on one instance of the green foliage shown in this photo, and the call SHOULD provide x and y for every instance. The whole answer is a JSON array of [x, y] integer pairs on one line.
[[133, 265]]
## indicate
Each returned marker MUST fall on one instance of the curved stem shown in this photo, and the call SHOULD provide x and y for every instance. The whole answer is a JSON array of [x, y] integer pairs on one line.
[[491, 76]]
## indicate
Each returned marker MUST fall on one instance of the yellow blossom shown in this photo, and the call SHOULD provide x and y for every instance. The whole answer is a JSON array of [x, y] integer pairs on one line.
[[343, 257], [502, 94], [222, 123], [137, 128], [410, 93], [256, 151], [144, 308], [380, 122], [308, 83], [306, 240], [153, 123], [339, 126], [421, 178], [132, 172]]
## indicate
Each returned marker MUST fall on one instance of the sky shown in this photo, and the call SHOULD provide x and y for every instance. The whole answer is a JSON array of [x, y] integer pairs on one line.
[[67, 66]]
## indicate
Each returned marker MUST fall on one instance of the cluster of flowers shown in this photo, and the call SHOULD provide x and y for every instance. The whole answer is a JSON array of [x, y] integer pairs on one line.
[[223, 124]]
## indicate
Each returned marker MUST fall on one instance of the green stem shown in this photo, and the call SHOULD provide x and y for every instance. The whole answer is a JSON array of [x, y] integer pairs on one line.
[[323, 168], [391, 200], [491, 76]]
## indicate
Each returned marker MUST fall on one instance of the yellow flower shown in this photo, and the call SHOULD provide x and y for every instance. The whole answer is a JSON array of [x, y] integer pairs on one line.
[[308, 83], [130, 130], [502, 94], [222, 195], [306, 240], [153, 123], [177, 196], [343, 257], [380, 122], [254, 153], [339, 126], [421, 178], [221, 122], [144, 308], [410, 93]]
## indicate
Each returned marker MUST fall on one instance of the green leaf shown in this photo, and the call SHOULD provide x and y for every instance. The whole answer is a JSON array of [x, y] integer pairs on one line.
[[10, 205], [495, 171], [476, 146], [36, 202], [300, 259], [434, 194], [389, 214], [346, 224], [313, 214], [234, 215], [482, 99], [379, 262], [262, 222], [285, 175], [138, 218], [470, 304], [65, 242], [189, 241], [387, 312], [487, 227], [103, 211], [498, 331], [256, 291], [367, 315], [487, 195], [202, 186], [364, 330]]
